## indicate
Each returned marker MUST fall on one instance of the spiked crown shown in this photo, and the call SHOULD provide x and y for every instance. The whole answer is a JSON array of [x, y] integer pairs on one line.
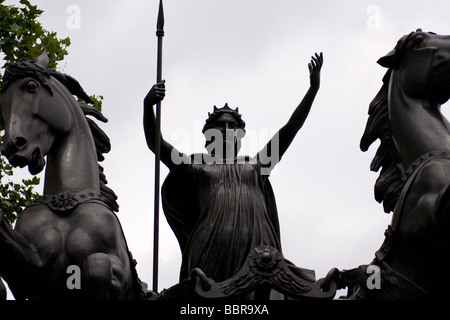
[[217, 112]]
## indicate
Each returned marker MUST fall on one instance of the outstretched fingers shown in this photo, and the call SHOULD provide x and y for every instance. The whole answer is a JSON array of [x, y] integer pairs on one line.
[[316, 62], [320, 58], [314, 69]]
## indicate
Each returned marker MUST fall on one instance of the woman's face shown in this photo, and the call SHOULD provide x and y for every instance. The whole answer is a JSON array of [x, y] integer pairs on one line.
[[226, 129], [225, 122]]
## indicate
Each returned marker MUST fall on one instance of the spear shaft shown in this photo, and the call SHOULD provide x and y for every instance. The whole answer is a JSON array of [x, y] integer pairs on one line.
[[160, 35]]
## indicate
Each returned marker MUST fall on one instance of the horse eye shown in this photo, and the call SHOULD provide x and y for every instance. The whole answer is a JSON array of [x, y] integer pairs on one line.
[[30, 86]]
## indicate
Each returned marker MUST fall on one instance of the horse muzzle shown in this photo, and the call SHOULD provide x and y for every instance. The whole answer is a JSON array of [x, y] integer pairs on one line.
[[17, 156]]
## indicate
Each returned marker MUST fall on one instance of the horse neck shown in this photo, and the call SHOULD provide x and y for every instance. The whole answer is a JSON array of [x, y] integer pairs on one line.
[[417, 126], [72, 162]]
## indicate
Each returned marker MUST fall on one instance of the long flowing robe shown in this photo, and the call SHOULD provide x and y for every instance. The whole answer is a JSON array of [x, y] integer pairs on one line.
[[219, 212]]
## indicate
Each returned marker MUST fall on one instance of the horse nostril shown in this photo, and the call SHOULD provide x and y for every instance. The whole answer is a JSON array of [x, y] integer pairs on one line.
[[20, 142]]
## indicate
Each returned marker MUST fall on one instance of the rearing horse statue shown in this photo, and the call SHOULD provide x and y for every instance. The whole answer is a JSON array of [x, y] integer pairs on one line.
[[73, 223], [414, 182]]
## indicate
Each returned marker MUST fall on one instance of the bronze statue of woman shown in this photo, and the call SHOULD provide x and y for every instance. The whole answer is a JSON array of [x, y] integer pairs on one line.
[[221, 206]]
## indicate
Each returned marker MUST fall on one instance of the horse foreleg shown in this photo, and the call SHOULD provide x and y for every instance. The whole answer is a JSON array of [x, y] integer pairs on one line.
[[97, 274], [18, 260], [102, 276]]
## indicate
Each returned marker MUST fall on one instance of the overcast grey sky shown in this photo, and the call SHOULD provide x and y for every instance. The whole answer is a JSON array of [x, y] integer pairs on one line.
[[251, 54]]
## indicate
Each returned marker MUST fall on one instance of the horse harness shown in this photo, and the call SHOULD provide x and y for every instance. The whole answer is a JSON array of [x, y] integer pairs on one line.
[[63, 202]]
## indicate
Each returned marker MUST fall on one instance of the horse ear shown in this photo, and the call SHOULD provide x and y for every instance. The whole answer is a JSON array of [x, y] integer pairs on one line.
[[388, 60], [43, 60]]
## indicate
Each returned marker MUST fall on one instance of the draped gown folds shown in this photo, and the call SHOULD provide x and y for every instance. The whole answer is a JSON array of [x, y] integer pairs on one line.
[[219, 213]]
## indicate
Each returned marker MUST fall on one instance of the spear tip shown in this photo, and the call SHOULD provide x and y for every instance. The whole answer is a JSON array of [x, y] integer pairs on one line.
[[160, 22]]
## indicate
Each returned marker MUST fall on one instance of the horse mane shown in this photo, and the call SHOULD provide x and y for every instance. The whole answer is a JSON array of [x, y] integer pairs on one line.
[[25, 68], [388, 185], [101, 140], [102, 145]]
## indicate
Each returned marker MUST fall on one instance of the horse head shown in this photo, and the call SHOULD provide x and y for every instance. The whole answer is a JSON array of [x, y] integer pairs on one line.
[[418, 77], [414, 158], [423, 60], [33, 107]]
